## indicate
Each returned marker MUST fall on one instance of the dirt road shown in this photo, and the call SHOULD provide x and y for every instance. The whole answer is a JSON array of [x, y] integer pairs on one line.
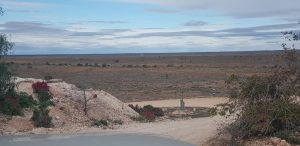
[[193, 131]]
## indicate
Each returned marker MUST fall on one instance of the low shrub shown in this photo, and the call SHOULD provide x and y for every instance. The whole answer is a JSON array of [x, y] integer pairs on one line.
[[104, 65], [44, 96], [170, 65], [11, 106], [48, 77], [139, 119], [26, 101], [41, 118], [158, 112], [40, 87], [148, 112], [288, 137], [100, 123], [266, 118], [117, 122], [149, 116]]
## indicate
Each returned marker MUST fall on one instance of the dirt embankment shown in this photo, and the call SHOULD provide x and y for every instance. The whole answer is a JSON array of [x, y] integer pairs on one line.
[[68, 111]]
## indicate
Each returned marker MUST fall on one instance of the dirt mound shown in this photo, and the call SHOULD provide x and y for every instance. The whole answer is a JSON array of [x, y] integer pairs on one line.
[[69, 105]]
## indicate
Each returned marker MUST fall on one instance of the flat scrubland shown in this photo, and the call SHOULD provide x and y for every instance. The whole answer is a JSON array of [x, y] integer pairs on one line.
[[142, 77]]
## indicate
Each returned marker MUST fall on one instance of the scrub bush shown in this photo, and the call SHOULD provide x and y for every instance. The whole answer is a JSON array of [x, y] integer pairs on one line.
[[40, 87]]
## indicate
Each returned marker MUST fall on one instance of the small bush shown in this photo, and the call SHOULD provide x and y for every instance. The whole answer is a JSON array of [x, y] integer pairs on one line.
[[11, 106], [150, 116], [148, 112], [288, 137], [170, 65], [44, 96], [41, 118], [26, 101], [29, 66], [46, 104], [40, 87], [158, 112], [117, 122], [96, 65], [100, 123], [48, 77], [104, 65], [139, 119], [145, 66]]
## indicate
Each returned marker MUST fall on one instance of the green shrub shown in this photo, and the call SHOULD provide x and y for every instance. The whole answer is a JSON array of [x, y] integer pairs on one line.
[[148, 112], [46, 104], [10, 106], [267, 118], [100, 123], [26, 101], [104, 65], [288, 137], [41, 118], [117, 122], [48, 77], [170, 65], [139, 119], [44, 96]]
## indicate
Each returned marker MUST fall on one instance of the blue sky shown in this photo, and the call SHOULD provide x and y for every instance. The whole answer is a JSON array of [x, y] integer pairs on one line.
[[146, 26]]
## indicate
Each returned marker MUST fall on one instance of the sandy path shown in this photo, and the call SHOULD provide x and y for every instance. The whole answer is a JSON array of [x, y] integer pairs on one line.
[[193, 102], [193, 131]]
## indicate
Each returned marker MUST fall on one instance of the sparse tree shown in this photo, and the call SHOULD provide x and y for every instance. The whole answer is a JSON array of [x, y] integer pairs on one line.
[[86, 99], [265, 105]]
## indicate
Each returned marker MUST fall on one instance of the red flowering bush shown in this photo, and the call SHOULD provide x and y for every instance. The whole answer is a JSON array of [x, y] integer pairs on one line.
[[40, 87], [148, 115], [148, 112]]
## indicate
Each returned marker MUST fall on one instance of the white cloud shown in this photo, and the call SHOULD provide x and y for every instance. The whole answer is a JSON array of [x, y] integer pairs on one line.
[[21, 4], [235, 8]]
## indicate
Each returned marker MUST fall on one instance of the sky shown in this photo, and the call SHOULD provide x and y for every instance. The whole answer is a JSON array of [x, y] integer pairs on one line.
[[146, 26]]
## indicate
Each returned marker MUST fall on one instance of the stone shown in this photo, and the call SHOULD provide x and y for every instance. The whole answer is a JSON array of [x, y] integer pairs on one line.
[[275, 140], [283, 143]]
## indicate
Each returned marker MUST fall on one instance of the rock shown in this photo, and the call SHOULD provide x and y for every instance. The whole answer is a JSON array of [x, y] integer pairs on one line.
[[284, 143], [275, 140], [57, 118]]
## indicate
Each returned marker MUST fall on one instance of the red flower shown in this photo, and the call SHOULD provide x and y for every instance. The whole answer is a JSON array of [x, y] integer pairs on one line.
[[40, 86]]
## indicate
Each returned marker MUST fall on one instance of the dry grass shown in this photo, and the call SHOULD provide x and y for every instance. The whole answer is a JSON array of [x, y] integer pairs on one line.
[[195, 75]]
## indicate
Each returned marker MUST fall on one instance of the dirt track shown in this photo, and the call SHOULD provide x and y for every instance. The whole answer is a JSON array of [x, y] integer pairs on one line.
[[193, 131]]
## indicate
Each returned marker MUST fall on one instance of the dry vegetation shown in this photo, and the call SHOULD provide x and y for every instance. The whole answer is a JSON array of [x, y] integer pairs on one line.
[[149, 77]]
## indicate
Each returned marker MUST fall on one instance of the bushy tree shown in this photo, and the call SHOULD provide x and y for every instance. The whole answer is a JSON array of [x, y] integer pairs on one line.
[[8, 100], [266, 105]]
